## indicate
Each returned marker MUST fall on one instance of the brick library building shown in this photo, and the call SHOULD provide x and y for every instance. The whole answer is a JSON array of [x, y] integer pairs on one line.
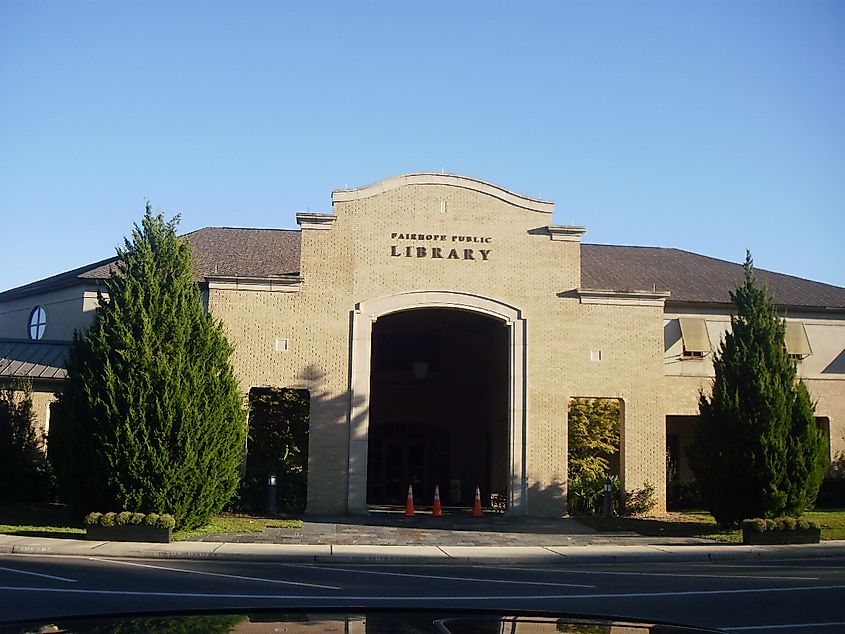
[[441, 325]]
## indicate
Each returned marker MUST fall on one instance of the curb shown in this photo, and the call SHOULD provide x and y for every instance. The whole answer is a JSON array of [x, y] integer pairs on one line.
[[420, 555]]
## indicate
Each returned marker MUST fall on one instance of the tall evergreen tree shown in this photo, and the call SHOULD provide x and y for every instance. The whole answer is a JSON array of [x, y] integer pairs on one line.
[[758, 451], [151, 418]]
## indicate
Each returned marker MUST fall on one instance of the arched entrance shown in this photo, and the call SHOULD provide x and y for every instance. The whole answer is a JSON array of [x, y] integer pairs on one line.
[[437, 396], [438, 406]]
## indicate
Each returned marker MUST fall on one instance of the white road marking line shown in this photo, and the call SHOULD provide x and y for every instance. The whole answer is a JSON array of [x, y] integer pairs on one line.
[[346, 599], [220, 574], [445, 577], [785, 626], [656, 574], [808, 563], [38, 574]]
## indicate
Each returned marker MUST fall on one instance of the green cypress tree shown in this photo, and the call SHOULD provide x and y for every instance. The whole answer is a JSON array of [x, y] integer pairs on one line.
[[151, 418], [757, 450]]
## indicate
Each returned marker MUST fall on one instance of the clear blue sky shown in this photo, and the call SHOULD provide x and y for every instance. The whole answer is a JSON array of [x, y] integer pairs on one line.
[[707, 126]]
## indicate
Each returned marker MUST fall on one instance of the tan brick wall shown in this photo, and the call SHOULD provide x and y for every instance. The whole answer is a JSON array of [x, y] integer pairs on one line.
[[352, 262], [41, 400]]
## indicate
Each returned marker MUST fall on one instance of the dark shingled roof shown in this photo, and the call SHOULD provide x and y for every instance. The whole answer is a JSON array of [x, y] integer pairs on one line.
[[68, 278], [693, 278], [689, 277], [246, 252], [234, 252]]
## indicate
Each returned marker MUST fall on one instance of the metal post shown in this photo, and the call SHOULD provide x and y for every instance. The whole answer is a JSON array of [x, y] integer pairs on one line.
[[607, 502], [272, 496]]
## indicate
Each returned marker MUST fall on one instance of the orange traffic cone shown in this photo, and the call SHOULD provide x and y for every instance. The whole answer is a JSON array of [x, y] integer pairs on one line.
[[476, 510], [438, 510], [409, 503]]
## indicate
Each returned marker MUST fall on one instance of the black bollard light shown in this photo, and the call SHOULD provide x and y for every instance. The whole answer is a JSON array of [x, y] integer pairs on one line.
[[272, 500], [607, 503]]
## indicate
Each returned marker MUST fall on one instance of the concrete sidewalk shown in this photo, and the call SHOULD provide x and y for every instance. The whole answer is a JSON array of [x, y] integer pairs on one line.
[[551, 554]]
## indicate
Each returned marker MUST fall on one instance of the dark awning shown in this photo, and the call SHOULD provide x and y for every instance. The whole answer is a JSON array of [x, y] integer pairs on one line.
[[32, 359]]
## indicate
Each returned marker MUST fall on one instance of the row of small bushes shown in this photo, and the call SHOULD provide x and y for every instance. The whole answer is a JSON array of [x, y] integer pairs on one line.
[[760, 525], [127, 518]]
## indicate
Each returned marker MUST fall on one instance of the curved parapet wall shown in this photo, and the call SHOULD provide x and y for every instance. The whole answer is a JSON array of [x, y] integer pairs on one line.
[[449, 180]]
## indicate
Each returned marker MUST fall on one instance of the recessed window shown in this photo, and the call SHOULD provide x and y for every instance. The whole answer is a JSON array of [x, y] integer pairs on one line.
[[37, 323]]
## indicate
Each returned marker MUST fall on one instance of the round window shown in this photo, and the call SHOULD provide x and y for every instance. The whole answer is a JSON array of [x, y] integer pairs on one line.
[[37, 323]]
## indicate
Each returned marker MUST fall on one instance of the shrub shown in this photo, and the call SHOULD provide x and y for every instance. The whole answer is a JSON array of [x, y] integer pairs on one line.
[[94, 518], [640, 501], [108, 519], [586, 494], [757, 524], [123, 518]]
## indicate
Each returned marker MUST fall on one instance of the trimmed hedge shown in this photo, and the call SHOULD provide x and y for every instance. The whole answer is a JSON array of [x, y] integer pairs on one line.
[[127, 518], [760, 525]]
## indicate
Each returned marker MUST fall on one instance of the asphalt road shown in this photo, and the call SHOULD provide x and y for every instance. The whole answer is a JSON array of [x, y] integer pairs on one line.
[[753, 596]]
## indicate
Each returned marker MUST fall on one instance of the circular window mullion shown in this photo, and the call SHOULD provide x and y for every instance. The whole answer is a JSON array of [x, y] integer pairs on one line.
[[37, 323]]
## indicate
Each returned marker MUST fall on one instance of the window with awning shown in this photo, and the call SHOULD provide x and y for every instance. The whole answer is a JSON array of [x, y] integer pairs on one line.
[[696, 339], [797, 344]]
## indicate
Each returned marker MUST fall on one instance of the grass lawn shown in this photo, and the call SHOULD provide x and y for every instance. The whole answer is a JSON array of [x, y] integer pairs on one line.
[[832, 522], [54, 520], [689, 524], [237, 523], [701, 524], [43, 520]]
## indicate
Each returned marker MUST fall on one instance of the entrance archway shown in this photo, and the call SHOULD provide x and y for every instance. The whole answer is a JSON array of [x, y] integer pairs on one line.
[[424, 442], [438, 407]]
